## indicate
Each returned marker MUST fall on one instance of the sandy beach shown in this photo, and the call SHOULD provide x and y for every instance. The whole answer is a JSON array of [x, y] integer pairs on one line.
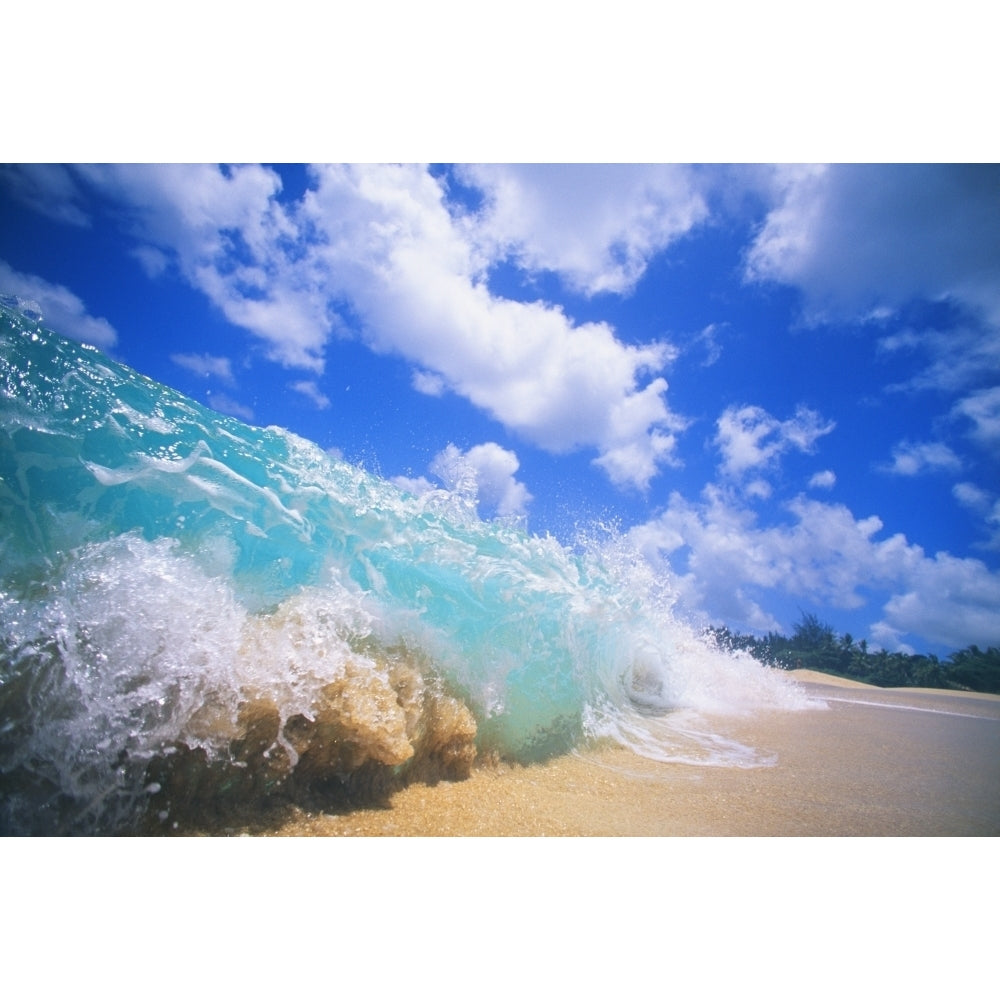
[[873, 762]]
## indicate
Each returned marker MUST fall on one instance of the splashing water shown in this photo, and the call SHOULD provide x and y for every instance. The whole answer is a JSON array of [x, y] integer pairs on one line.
[[197, 614]]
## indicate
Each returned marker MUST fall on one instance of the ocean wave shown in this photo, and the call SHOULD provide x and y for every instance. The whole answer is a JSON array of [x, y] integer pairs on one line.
[[202, 617]]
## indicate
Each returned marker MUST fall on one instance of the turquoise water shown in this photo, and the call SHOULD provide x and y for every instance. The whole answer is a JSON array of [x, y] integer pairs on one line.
[[192, 603]]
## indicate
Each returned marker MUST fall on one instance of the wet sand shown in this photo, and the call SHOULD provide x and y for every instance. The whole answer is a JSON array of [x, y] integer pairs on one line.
[[873, 762]]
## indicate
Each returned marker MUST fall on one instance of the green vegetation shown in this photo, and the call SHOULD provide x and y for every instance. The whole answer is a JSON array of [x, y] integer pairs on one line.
[[815, 646]]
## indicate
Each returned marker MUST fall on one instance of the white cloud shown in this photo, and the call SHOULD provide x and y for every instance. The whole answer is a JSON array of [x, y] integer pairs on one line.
[[47, 188], [312, 392], [749, 437], [418, 486], [60, 308], [732, 565], [709, 339], [758, 489], [382, 241], [885, 636], [864, 239], [595, 225], [983, 410], [912, 458], [824, 480], [488, 470], [206, 365], [153, 262], [986, 505], [226, 404], [641, 435], [970, 495], [428, 383], [818, 554], [959, 357], [231, 240], [953, 601], [413, 277]]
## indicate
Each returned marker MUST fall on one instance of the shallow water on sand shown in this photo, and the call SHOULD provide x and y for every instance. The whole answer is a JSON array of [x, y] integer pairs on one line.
[[875, 763]]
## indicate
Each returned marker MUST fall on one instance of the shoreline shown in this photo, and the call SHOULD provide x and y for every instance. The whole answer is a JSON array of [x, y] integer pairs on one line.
[[804, 676], [868, 762]]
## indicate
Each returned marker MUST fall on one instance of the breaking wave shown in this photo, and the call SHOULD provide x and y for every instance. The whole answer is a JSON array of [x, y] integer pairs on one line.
[[202, 618]]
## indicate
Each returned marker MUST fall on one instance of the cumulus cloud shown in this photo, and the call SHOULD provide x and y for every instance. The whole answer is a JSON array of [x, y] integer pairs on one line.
[[912, 458], [391, 247], [958, 358], [597, 226], [984, 504], [233, 240], [153, 262], [820, 553], [206, 365], [758, 489], [59, 307], [982, 409], [47, 188], [377, 251], [311, 390], [953, 601], [824, 480], [417, 485], [860, 239], [226, 404], [488, 469], [728, 565], [708, 339], [483, 475], [428, 383], [970, 495], [748, 437]]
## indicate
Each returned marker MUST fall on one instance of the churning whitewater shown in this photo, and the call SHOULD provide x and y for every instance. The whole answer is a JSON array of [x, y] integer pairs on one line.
[[199, 617]]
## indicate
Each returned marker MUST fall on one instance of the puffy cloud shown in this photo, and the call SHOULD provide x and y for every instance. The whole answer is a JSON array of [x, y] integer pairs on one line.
[[59, 307], [393, 250], [312, 392], [970, 495], [749, 437], [489, 469], [640, 435], [417, 485], [952, 601], [824, 480], [983, 410], [729, 565], [860, 239], [377, 250], [232, 240], [597, 226], [912, 458], [206, 365], [963, 362], [428, 383], [708, 339], [154, 262], [759, 489], [48, 188], [986, 505], [959, 358], [226, 404]]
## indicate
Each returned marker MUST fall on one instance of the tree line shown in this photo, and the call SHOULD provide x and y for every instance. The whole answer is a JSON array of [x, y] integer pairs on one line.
[[815, 646]]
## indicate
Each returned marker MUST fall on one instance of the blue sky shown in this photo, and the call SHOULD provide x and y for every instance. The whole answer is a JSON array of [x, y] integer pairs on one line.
[[782, 382]]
